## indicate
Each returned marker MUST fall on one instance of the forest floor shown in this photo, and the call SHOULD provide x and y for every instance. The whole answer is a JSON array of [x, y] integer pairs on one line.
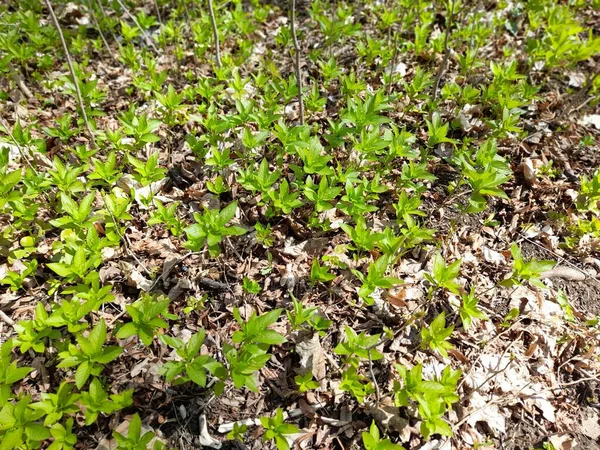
[[414, 253]]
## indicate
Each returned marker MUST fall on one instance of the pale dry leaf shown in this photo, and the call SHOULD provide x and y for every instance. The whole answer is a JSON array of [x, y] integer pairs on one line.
[[206, 440], [481, 409], [492, 256], [387, 415], [312, 358], [591, 119]]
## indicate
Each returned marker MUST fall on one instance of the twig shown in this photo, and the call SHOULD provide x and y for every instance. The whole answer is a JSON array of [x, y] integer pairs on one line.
[[496, 372], [158, 12], [227, 427], [139, 27], [16, 144], [442, 67], [105, 17], [482, 352], [97, 24], [213, 21], [17, 77], [164, 274], [124, 238], [6, 319], [297, 62], [560, 258], [377, 393], [72, 70]]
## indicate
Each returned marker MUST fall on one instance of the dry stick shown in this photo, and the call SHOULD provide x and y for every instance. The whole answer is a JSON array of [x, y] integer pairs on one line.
[[105, 17], [297, 61], [97, 24], [16, 144], [139, 27], [442, 67], [70, 63], [158, 12], [6, 319], [213, 21], [377, 393], [559, 258], [123, 237]]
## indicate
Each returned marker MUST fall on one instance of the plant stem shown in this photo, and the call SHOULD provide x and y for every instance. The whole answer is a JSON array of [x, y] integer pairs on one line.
[[213, 21], [147, 38], [97, 24], [442, 67], [72, 70], [297, 62]]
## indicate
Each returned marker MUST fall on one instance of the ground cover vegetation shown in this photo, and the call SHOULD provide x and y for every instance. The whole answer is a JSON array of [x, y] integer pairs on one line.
[[304, 224]]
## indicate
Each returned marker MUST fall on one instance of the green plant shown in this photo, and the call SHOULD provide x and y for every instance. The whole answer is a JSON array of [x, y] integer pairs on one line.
[[96, 401], [322, 194], [437, 131], [9, 372], [375, 278], [135, 440], [146, 318], [19, 427], [529, 271], [443, 277], [147, 172], [54, 406], [276, 429], [305, 382], [255, 329], [433, 397], [237, 433], [361, 235], [167, 215], [283, 200], [90, 355], [469, 309], [358, 347], [211, 227], [372, 440], [435, 337], [64, 438], [34, 334], [320, 274], [301, 316], [190, 365], [15, 279], [356, 384]]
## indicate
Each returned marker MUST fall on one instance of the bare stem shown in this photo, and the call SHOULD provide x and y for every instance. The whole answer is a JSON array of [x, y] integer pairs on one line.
[[97, 24], [213, 21], [147, 38], [72, 70], [297, 62], [442, 67]]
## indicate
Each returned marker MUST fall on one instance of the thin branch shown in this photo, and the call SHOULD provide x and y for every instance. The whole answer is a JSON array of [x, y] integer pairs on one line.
[[105, 17], [213, 21], [561, 258], [377, 393], [139, 27], [297, 61], [6, 319], [124, 238], [72, 70], [97, 24], [442, 67]]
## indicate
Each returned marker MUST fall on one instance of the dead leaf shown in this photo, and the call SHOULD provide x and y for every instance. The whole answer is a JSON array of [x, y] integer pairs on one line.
[[312, 358]]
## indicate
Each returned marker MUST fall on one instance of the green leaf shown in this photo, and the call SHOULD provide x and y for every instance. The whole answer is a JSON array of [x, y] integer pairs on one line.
[[97, 336], [82, 374]]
